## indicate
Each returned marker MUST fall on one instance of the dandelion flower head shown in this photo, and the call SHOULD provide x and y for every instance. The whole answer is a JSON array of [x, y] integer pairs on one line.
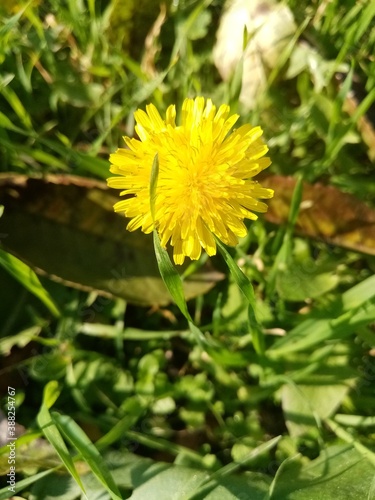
[[204, 186]]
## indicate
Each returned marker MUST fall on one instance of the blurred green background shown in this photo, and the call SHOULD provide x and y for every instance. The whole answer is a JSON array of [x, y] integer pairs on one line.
[[114, 396]]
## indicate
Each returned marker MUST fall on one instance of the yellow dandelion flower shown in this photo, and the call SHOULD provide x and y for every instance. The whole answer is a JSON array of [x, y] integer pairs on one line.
[[205, 185]]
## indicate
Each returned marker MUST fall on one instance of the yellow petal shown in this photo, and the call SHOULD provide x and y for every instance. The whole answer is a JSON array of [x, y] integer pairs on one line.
[[205, 187]]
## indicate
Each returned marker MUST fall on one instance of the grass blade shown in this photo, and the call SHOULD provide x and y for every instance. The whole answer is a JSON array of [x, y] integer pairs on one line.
[[26, 276], [355, 308], [170, 277], [286, 247], [349, 438], [88, 452], [246, 288], [24, 483], [52, 433]]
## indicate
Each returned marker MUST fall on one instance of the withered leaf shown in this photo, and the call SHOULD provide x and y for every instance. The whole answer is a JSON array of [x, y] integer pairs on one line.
[[65, 226], [326, 213]]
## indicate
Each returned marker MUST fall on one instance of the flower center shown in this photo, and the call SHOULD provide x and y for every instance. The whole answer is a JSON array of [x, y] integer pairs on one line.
[[195, 183]]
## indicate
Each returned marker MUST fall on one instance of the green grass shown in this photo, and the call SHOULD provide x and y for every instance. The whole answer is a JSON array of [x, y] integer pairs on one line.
[[257, 381]]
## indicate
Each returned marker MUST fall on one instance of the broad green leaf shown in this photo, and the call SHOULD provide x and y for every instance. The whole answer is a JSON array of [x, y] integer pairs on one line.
[[296, 285], [59, 486], [302, 277], [339, 473], [70, 232], [129, 470], [180, 483], [304, 406]]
